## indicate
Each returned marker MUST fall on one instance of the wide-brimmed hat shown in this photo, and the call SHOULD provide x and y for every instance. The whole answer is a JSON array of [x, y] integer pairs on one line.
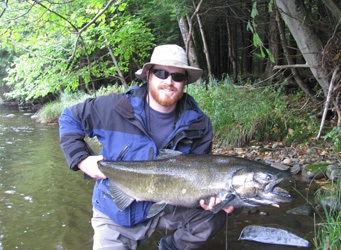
[[170, 55]]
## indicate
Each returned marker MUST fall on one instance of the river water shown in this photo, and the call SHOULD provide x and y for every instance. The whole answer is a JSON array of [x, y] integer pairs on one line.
[[44, 205]]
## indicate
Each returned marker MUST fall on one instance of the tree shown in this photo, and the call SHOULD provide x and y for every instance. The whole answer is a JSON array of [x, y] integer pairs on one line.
[[66, 45]]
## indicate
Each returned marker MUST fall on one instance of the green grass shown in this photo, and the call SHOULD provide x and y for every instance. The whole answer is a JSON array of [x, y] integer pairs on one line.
[[244, 113], [328, 230], [51, 111]]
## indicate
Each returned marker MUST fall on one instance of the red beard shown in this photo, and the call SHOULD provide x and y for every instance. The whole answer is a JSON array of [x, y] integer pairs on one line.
[[166, 99]]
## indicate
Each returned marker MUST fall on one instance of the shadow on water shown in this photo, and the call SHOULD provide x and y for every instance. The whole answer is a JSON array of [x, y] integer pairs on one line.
[[44, 205]]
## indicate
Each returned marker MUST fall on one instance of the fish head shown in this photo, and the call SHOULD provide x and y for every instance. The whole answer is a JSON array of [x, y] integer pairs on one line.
[[256, 187]]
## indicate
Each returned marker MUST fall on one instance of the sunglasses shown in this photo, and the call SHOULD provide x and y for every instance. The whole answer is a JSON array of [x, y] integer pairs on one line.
[[163, 74]]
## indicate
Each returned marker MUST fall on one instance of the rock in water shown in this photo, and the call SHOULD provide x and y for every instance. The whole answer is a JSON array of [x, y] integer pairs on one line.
[[272, 235]]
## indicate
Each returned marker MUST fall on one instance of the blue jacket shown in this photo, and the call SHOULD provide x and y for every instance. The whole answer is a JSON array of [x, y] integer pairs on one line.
[[119, 123]]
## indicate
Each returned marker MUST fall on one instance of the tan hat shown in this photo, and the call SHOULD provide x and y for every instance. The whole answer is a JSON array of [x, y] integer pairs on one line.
[[170, 55]]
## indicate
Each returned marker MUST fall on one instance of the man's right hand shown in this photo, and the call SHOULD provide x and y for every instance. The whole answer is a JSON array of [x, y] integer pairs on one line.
[[89, 166]]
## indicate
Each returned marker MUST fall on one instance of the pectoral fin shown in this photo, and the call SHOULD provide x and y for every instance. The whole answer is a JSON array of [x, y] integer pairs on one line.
[[223, 203], [155, 209], [121, 199]]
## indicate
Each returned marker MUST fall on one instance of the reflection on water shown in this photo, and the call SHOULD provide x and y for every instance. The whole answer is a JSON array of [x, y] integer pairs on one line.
[[44, 205]]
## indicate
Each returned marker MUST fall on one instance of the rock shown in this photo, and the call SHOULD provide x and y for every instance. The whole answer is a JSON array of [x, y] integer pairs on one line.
[[10, 116], [280, 166], [333, 172], [309, 174], [272, 235], [286, 161], [295, 169], [305, 209], [253, 210], [331, 203], [335, 175]]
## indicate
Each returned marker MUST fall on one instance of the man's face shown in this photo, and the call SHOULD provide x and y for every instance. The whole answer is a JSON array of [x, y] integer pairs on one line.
[[165, 87]]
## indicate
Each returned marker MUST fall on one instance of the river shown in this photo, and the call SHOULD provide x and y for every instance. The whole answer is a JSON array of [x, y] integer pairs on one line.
[[44, 205]]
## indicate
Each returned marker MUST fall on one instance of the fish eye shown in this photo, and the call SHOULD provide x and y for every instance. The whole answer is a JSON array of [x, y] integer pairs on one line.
[[268, 177], [262, 177]]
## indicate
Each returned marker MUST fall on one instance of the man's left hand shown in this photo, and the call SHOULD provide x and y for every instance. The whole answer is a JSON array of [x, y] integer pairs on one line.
[[214, 201]]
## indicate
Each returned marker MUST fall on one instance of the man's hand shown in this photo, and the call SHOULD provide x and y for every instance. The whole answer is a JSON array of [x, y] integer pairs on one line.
[[90, 167], [214, 201]]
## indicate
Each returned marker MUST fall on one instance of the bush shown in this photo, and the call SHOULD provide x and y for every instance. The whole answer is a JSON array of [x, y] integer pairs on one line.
[[240, 114]]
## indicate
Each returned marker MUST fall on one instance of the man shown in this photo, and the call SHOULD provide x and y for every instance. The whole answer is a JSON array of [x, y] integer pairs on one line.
[[134, 126]]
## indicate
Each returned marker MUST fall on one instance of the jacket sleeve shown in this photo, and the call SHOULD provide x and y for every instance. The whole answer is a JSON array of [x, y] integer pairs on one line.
[[74, 124], [203, 145]]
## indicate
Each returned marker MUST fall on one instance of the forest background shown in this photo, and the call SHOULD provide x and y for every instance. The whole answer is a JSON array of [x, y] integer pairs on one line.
[[52, 47]]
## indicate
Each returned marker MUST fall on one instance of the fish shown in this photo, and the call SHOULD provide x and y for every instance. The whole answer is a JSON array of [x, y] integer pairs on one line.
[[179, 179]]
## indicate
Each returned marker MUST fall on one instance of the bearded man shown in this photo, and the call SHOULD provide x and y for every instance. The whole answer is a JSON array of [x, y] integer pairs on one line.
[[132, 127]]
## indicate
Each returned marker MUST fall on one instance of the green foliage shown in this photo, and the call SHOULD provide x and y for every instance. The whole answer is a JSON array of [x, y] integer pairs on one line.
[[58, 53], [257, 41], [328, 230], [240, 114], [335, 137], [163, 16], [51, 111]]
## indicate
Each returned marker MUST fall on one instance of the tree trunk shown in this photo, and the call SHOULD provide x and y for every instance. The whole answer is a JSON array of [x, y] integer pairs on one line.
[[121, 76], [231, 51], [333, 8], [290, 61], [193, 61], [206, 52], [273, 42], [247, 50], [293, 12]]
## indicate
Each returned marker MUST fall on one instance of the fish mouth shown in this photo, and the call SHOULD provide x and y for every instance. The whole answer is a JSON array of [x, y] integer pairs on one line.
[[275, 194]]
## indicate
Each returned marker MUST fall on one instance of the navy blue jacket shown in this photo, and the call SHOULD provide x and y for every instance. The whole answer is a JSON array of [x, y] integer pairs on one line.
[[119, 123]]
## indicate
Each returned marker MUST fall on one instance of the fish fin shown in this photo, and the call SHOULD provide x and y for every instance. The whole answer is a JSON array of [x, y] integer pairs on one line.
[[122, 200], [167, 154], [223, 203], [155, 209]]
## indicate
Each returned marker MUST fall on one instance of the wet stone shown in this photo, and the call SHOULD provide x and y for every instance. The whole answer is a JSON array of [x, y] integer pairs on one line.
[[280, 166], [295, 169], [309, 175], [331, 202], [253, 210], [305, 209], [286, 161], [333, 172]]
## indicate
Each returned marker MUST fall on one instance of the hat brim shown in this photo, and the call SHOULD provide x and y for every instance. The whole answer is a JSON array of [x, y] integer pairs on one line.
[[193, 73]]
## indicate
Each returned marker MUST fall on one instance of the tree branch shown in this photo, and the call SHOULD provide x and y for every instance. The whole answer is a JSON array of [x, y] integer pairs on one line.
[[3, 11], [329, 96], [76, 30], [292, 66]]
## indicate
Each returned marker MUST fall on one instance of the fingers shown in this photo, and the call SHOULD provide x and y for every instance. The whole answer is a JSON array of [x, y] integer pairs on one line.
[[90, 167], [214, 201], [228, 209]]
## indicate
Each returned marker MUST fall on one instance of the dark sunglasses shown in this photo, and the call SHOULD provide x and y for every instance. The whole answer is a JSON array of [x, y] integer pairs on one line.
[[163, 74]]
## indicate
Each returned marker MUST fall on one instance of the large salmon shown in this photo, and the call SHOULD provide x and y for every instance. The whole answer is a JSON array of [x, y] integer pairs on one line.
[[183, 179]]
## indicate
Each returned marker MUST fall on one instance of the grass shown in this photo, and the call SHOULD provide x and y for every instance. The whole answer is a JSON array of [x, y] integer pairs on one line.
[[51, 111], [328, 231], [243, 113]]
